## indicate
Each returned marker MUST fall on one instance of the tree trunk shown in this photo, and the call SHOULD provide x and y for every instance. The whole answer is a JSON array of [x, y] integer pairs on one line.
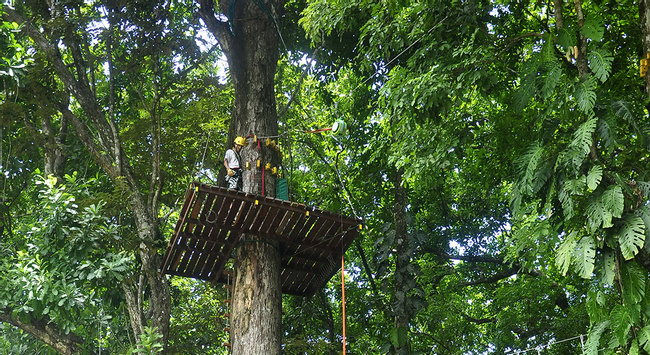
[[644, 19], [249, 38]]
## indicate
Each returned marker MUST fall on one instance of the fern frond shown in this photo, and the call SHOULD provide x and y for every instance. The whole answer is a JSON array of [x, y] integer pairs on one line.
[[584, 257], [585, 95], [600, 62], [631, 236]]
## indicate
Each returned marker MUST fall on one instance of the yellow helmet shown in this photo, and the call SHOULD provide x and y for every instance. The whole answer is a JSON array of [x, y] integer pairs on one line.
[[240, 141]]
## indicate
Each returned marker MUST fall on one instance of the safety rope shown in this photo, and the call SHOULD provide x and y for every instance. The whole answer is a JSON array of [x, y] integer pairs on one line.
[[343, 295]]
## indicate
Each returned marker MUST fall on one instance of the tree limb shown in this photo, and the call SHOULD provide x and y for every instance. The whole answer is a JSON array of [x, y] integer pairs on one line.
[[47, 332], [219, 29]]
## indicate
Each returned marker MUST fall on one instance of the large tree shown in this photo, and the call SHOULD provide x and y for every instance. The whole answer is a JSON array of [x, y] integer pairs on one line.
[[248, 33], [107, 74]]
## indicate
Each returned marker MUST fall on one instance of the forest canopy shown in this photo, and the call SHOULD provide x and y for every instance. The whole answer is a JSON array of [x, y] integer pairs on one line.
[[496, 152]]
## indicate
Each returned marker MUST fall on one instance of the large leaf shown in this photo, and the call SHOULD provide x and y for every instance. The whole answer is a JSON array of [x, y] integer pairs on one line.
[[585, 94], [584, 257], [614, 200], [633, 281], [644, 338], [565, 252], [600, 62], [597, 215], [593, 27], [608, 272], [644, 214], [623, 317], [594, 176], [527, 165], [607, 133], [583, 136], [593, 340], [631, 236]]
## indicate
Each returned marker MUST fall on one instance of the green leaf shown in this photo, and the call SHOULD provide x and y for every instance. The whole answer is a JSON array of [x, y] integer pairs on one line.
[[594, 177], [644, 214], [593, 27], [644, 338], [585, 255], [600, 62], [622, 321], [585, 94], [614, 200], [398, 336], [597, 215], [593, 340], [633, 281], [632, 236], [565, 252], [608, 134], [552, 79], [566, 38], [527, 166], [582, 138], [567, 204], [608, 270], [634, 348]]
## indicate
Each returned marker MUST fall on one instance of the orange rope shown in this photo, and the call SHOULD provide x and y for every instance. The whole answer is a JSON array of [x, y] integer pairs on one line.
[[343, 297]]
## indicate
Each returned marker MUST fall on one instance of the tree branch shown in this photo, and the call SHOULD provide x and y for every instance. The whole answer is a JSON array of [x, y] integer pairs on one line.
[[46, 331], [219, 29]]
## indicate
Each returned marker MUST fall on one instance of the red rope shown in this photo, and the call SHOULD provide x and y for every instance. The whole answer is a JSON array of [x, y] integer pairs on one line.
[[343, 297]]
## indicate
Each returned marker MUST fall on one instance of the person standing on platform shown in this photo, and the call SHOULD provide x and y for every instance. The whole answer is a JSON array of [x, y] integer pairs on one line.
[[232, 162]]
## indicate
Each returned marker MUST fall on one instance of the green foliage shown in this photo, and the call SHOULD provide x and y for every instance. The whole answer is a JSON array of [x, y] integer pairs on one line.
[[149, 343], [60, 262], [632, 236]]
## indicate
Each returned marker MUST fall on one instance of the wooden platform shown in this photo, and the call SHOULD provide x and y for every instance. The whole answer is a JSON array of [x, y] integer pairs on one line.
[[213, 220]]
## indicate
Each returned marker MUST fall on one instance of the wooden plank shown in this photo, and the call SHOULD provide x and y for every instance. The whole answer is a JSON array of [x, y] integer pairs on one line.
[[189, 196]]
